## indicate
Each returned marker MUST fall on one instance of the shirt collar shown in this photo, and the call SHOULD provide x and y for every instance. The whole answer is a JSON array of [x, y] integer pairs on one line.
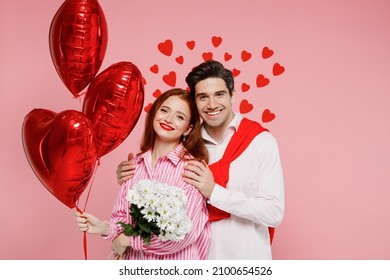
[[233, 126], [174, 155]]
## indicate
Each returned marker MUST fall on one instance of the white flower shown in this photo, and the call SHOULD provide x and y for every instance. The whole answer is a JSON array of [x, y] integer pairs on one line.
[[163, 205]]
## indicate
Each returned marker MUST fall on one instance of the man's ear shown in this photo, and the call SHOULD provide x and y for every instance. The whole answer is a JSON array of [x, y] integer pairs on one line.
[[233, 97]]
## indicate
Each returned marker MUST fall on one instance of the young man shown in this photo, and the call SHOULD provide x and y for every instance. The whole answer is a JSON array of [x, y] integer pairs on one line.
[[244, 181]]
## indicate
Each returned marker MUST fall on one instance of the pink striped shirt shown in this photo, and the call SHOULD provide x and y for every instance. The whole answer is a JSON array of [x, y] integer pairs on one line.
[[169, 170]]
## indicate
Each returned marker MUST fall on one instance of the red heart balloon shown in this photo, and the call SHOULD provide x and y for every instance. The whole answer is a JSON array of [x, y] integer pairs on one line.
[[114, 102], [61, 150], [78, 42]]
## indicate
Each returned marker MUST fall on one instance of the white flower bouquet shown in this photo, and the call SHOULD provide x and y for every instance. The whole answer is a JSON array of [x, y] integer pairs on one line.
[[159, 209]]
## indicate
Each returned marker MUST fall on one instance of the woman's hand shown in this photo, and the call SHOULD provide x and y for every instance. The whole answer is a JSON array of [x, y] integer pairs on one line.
[[91, 224], [125, 170], [120, 246]]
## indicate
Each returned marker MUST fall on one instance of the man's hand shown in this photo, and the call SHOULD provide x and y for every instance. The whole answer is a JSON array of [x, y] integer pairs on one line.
[[125, 170], [199, 175]]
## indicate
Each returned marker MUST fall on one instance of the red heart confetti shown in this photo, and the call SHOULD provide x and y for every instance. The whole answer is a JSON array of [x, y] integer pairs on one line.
[[207, 56], [228, 56], [267, 116], [236, 72], [267, 52], [245, 87], [170, 78], [148, 107], [190, 45], [179, 59], [245, 56], [166, 47], [277, 69], [154, 69], [216, 41], [157, 93], [143, 81], [245, 107], [261, 81]]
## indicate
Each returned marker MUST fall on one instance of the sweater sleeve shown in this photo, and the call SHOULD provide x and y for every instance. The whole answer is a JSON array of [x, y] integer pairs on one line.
[[265, 204]]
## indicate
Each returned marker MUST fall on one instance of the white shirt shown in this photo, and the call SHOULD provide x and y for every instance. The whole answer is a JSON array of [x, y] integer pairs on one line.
[[254, 197]]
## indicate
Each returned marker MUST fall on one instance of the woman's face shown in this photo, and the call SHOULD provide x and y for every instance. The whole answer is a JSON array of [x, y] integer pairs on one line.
[[172, 120]]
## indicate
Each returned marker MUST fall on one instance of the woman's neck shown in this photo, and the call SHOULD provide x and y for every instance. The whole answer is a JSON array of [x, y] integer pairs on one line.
[[160, 149]]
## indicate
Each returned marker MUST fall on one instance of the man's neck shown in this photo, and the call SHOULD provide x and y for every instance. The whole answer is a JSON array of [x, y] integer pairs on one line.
[[217, 132]]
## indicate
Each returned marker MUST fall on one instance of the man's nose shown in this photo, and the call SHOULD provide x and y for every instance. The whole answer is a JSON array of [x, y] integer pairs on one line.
[[211, 104]]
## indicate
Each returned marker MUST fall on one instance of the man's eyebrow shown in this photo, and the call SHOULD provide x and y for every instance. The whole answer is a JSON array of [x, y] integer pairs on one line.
[[204, 93]]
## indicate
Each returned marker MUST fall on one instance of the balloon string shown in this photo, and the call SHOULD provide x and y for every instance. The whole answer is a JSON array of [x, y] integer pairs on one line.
[[85, 206]]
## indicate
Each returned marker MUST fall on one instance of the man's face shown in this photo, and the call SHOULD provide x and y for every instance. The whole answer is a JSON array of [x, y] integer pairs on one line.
[[214, 103]]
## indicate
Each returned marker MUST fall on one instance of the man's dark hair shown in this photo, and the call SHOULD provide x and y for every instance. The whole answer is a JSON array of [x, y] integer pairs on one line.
[[210, 69]]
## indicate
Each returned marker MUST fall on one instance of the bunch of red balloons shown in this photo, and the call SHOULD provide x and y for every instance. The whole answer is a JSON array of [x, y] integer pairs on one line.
[[63, 148]]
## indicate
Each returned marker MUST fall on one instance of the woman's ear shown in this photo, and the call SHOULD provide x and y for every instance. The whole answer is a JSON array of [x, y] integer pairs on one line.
[[188, 130]]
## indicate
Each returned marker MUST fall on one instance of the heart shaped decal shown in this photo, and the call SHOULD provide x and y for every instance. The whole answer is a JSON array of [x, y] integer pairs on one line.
[[245, 87], [154, 69], [245, 107], [190, 45], [261, 81], [170, 78], [267, 53], [227, 56], [166, 47], [267, 116], [245, 56], [216, 41], [179, 59], [277, 69], [207, 56]]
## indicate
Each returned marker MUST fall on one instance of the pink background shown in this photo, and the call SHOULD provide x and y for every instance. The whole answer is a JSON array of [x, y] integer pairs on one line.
[[331, 106]]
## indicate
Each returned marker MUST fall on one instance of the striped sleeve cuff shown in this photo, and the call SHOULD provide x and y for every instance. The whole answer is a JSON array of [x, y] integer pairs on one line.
[[137, 243]]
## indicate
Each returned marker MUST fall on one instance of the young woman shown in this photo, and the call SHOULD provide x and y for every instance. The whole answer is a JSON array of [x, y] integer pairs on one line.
[[172, 136]]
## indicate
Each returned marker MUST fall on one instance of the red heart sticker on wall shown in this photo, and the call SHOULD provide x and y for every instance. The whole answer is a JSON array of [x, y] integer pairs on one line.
[[207, 56], [166, 47], [262, 81], [227, 56], [170, 78], [179, 59], [277, 69], [148, 107], [245, 56], [267, 53], [245, 87], [190, 45], [216, 41], [154, 69], [267, 116], [157, 93], [236, 72], [245, 107]]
